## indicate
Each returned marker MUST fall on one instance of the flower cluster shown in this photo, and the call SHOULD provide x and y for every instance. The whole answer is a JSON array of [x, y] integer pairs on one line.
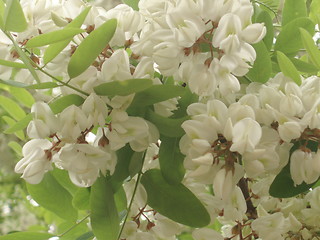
[[232, 138]]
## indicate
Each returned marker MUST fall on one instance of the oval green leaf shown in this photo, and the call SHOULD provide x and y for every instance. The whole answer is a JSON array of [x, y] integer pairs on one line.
[[19, 125], [171, 160], [81, 199], [264, 17], [176, 202], [11, 122], [52, 196], [61, 103], [289, 40], [54, 49], [12, 108], [134, 4], [293, 9], [14, 19], [288, 68], [91, 47], [157, 93], [170, 127], [27, 236], [123, 88], [53, 37], [23, 96], [311, 48], [104, 215], [12, 64], [262, 67]]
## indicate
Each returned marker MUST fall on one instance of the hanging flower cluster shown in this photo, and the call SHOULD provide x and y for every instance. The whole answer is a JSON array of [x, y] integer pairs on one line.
[[152, 109]]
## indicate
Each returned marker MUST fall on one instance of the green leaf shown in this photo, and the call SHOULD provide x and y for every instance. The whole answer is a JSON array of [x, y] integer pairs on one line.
[[262, 68], [14, 19], [52, 196], [121, 171], [169, 127], [20, 125], [91, 47], [104, 214], [81, 199], [171, 160], [314, 10], [44, 85], [120, 199], [54, 49], [293, 9], [133, 4], [63, 179], [25, 59], [2, 8], [13, 83], [288, 40], [136, 163], [12, 108], [186, 99], [61, 103], [12, 64], [86, 236], [71, 230], [284, 178], [53, 37], [11, 122], [27, 236], [288, 68], [176, 202], [23, 96], [312, 49], [264, 17], [303, 66], [155, 94], [15, 147], [123, 88]]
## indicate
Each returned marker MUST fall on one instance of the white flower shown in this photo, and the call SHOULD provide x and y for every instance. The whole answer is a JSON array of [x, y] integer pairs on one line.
[[44, 123], [74, 122], [84, 162], [96, 110], [246, 135], [206, 234], [302, 167], [36, 160]]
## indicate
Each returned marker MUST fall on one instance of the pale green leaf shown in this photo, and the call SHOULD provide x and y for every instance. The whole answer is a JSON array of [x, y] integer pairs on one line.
[[81, 199], [11, 122], [27, 236], [289, 40], [123, 88], [19, 125], [12, 64], [288, 68], [54, 49], [134, 4], [63, 102], [312, 49], [23, 96], [16, 147], [14, 19], [12, 108], [293, 9], [53, 37], [91, 47]]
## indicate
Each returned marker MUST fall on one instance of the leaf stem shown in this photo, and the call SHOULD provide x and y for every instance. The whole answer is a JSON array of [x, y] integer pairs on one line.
[[133, 195], [74, 226], [62, 82]]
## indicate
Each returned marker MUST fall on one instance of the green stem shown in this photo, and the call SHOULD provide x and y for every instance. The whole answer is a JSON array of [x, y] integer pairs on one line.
[[132, 198], [62, 82], [74, 226]]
